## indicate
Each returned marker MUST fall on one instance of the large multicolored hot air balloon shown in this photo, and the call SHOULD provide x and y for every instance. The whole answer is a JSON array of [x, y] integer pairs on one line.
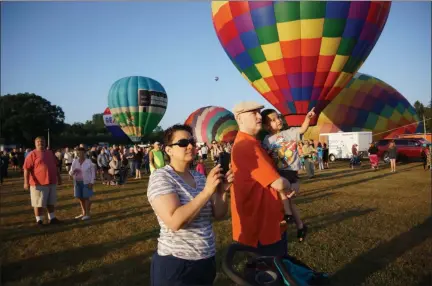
[[138, 104], [112, 125], [213, 123], [299, 55], [367, 104]]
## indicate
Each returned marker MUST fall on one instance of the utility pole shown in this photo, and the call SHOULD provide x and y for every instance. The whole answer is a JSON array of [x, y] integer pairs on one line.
[[49, 139], [430, 145]]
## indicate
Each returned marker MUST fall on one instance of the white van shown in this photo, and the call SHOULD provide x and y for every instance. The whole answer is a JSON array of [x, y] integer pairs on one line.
[[340, 143]]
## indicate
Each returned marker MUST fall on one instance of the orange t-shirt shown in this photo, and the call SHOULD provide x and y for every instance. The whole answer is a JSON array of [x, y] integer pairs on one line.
[[42, 166], [256, 208]]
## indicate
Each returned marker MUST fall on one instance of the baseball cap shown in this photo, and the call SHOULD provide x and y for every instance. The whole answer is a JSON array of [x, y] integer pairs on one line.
[[246, 106]]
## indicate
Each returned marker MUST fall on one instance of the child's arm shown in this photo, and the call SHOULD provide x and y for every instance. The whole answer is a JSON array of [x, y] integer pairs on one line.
[[267, 146], [306, 121]]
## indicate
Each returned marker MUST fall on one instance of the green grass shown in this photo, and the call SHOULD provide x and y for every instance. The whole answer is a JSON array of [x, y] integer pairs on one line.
[[366, 228]]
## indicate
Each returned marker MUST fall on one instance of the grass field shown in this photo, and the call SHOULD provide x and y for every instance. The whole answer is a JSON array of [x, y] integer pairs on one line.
[[365, 228]]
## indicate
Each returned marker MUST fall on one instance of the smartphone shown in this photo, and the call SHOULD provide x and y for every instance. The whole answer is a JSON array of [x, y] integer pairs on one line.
[[224, 160]]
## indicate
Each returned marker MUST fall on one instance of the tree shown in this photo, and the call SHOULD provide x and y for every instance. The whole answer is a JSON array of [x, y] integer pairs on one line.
[[96, 125], [25, 116], [421, 111], [428, 117], [98, 122], [419, 108]]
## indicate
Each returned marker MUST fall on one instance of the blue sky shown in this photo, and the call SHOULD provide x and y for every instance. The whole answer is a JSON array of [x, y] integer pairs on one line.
[[72, 52]]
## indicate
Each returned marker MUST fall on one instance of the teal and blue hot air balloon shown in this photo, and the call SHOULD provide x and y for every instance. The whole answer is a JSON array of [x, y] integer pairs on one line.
[[137, 104]]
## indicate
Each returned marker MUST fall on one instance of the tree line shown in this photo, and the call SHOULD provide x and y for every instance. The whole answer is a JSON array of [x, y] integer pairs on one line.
[[24, 116], [425, 111]]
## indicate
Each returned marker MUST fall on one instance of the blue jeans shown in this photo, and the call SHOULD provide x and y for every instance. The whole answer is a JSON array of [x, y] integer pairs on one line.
[[132, 168], [310, 168]]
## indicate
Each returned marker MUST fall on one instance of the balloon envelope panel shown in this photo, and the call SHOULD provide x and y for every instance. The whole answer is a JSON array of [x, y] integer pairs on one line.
[[298, 55], [213, 123], [367, 104], [112, 125], [137, 104]]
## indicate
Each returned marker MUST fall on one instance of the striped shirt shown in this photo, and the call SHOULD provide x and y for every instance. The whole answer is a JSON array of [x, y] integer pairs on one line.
[[194, 241]]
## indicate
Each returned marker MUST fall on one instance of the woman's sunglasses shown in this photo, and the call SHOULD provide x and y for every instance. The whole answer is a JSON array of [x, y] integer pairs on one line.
[[184, 142]]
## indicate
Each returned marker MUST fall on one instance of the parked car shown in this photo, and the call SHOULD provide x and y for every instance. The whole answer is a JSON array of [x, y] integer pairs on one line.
[[407, 148]]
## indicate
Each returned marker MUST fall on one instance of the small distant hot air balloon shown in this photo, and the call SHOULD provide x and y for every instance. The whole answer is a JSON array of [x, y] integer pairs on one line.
[[112, 125], [213, 123], [138, 104], [216, 78], [367, 104], [299, 54]]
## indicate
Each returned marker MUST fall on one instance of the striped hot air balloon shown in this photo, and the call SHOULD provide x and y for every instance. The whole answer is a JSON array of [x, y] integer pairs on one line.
[[213, 123], [137, 104], [299, 55], [367, 104]]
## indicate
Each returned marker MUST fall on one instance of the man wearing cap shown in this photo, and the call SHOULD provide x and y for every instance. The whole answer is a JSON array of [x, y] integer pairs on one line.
[[156, 157], [257, 211]]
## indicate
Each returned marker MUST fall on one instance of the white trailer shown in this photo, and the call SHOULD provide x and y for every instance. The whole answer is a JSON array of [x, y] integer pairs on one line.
[[340, 143]]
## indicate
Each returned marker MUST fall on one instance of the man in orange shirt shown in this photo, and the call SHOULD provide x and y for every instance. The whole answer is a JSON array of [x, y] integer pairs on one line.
[[257, 211], [41, 176]]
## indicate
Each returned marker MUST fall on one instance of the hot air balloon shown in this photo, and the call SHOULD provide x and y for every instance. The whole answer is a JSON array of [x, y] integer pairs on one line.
[[112, 125], [213, 123], [137, 104], [216, 78], [367, 104], [298, 55]]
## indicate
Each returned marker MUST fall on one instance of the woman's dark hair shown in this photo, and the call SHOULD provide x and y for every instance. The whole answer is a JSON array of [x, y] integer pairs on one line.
[[81, 149], [265, 113], [319, 144], [169, 133]]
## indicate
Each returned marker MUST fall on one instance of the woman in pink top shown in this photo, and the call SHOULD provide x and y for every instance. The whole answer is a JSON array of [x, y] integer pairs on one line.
[[83, 172], [200, 168]]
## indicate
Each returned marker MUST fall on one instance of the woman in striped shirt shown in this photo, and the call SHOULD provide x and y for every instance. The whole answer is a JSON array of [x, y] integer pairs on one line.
[[185, 203]]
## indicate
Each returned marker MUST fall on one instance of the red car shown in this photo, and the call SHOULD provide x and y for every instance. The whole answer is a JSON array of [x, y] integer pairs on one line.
[[407, 148]]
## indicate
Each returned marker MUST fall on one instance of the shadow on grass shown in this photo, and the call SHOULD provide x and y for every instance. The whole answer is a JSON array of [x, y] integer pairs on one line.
[[327, 175], [67, 225], [66, 186], [74, 204], [308, 199], [360, 268], [336, 175], [351, 173], [320, 222], [134, 270], [71, 258], [363, 180], [62, 197], [425, 280]]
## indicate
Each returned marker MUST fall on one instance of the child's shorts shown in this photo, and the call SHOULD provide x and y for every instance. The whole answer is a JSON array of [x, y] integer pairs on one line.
[[292, 177]]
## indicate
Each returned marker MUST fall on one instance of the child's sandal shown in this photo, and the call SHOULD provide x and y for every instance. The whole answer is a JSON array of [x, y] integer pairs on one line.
[[301, 233]]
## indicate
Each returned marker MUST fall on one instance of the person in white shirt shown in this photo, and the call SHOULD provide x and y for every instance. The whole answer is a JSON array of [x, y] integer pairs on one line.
[[204, 151], [83, 172], [199, 152], [68, 158]]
